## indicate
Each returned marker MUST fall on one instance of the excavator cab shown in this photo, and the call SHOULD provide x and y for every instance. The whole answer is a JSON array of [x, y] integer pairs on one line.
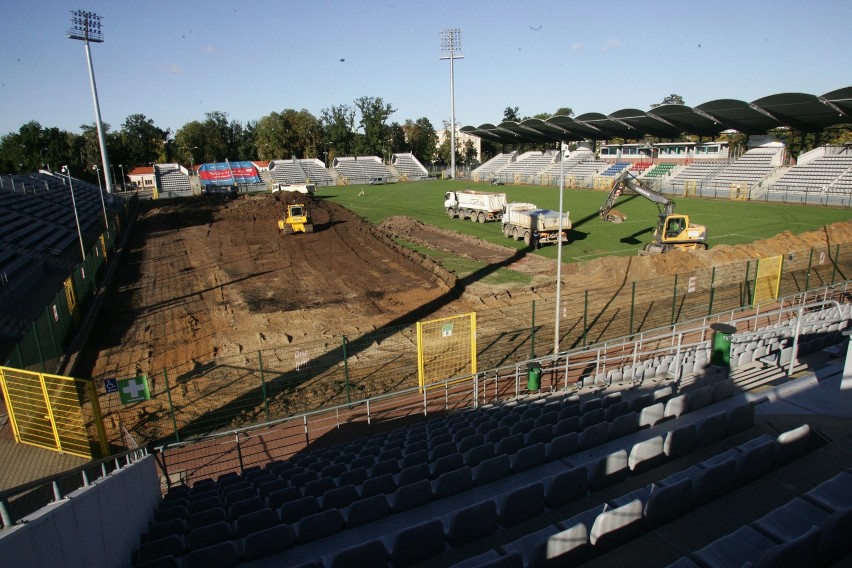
[[296, 221]]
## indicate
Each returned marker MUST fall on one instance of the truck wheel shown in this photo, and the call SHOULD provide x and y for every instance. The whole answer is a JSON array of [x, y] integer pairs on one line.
[[515, 234], [451, 214], [507, 232], [472, 216], [527, 238], [481, 217]]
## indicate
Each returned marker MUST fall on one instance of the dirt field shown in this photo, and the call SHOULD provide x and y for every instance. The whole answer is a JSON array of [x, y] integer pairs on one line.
[[208, 278]]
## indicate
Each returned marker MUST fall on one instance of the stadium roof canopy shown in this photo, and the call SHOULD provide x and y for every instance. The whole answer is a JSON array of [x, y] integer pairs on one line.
[[799, 111]]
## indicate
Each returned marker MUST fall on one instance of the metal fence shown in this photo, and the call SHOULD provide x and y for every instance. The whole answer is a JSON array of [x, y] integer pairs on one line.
[[256, 446], [200, 398]]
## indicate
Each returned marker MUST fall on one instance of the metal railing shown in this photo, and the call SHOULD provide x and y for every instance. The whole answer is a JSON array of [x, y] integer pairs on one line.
[[255, 446]]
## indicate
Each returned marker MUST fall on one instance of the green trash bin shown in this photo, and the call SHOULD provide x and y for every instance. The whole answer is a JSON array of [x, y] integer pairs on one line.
[[720, 354], [533, 376]]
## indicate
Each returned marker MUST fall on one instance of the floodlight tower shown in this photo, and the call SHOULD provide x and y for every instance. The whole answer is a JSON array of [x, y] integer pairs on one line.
[[86, 26], [451, 49]]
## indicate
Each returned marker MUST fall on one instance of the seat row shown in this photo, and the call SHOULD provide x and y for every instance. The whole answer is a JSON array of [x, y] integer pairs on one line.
[[309, 519], [811, 530], [610, 524]]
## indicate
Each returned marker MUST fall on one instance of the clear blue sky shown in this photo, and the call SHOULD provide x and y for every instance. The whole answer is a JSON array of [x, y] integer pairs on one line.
[[173, 61]]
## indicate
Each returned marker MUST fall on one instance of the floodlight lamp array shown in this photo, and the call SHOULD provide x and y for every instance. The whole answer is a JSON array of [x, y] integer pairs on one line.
[[86, 26], [451, 44]]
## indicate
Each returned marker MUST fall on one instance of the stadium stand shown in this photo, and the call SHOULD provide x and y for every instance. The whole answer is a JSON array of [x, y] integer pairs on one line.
[[539, 479], [486, 171], [409, 167], [660, 170], [749, 170], [287, 171], [363, 169], [698, 172], [827, 173], [172, 180], [526, 166]]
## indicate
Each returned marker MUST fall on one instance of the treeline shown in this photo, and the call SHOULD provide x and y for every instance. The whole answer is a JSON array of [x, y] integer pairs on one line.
[[361, 128]]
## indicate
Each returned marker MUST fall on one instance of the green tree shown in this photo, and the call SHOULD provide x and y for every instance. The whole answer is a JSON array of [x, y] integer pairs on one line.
[[373, 114], [511, 114], [338, 124], [422, 139], [141, 141]]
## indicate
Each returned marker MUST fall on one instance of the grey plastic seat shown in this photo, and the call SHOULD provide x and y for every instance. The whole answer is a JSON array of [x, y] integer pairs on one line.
[[528, 457], [416, 544], [711, 430], [791, 520], [624, 425], [367, 510], [476, 455], [563, 446], [616, 526], [834, 494], [447, 463], [339, 497], [608, 470], [651, 415], [452, 483], [668, 502], [594, 436], [267, 542], [374, 485], [792, 445], [521, 504], [411, 496], [319, 525], [219, 555], [700, 397], [492, 469], [680, 441], [745, 544], [208, 535], [646, 455], [277, 498], [676, 407], [254, 522], [412, 474], [370, 553], [470, 523], [172, 545], [291, 511], [565, 487]]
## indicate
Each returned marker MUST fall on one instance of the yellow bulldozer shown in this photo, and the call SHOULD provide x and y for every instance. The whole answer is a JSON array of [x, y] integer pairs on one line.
[[297, 220]]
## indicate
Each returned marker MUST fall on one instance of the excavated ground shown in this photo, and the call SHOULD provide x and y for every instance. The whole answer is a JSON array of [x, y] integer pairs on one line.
[[207, 278]]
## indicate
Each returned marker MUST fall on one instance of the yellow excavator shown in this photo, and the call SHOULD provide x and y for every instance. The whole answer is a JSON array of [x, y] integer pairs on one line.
[[297, 220], [673, 232]]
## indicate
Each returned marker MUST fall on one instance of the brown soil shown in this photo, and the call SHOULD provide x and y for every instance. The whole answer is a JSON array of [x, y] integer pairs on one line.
[[209, 278]]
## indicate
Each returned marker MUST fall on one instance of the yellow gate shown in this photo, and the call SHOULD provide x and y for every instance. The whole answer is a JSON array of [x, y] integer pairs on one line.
[[446, 348], [47, 411], [767, 279]]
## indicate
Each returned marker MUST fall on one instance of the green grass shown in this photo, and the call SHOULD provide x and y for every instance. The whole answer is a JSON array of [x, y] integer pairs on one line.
[[728, 222]]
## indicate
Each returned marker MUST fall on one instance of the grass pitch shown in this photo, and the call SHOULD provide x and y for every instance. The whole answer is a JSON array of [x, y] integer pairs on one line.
[[728, 222]]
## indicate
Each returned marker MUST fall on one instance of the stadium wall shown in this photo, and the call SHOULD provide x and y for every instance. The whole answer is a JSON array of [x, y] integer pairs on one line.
[[94, 526]]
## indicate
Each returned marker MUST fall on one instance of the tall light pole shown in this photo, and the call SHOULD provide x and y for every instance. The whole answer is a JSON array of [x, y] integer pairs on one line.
[[86, 26], [121, 167], [451, 49], [66, 170], [559, 251], [101, 193]]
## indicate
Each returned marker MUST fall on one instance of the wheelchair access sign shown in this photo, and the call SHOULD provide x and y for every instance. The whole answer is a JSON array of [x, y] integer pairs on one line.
[[134, 389]]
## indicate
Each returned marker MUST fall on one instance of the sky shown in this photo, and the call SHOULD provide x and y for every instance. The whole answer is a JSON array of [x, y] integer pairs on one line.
[[173, 61]]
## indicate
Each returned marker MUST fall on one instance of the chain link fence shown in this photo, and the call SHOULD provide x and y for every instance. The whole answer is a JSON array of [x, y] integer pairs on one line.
[[200, 398]]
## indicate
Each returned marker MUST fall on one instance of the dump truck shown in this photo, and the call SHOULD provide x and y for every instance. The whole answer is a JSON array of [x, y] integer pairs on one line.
[[536, 226], [478, 206], [673, 232], [297, 220]]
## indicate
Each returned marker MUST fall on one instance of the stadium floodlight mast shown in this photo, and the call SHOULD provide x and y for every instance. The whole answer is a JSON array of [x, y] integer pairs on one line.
[[67, 171], [101, 193], [559, 251], [87, 27], [451, 49]]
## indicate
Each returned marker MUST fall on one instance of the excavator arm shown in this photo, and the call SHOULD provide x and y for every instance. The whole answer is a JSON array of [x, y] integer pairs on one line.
[[627, 183]]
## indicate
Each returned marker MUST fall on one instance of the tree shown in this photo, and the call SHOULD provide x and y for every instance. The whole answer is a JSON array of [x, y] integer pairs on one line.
[[511, 114], [444, 151], [670, 100], [374, 112], [469, 151], [141, 141], [564, 111], [190, 143], [422, 139], [338, 125]]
